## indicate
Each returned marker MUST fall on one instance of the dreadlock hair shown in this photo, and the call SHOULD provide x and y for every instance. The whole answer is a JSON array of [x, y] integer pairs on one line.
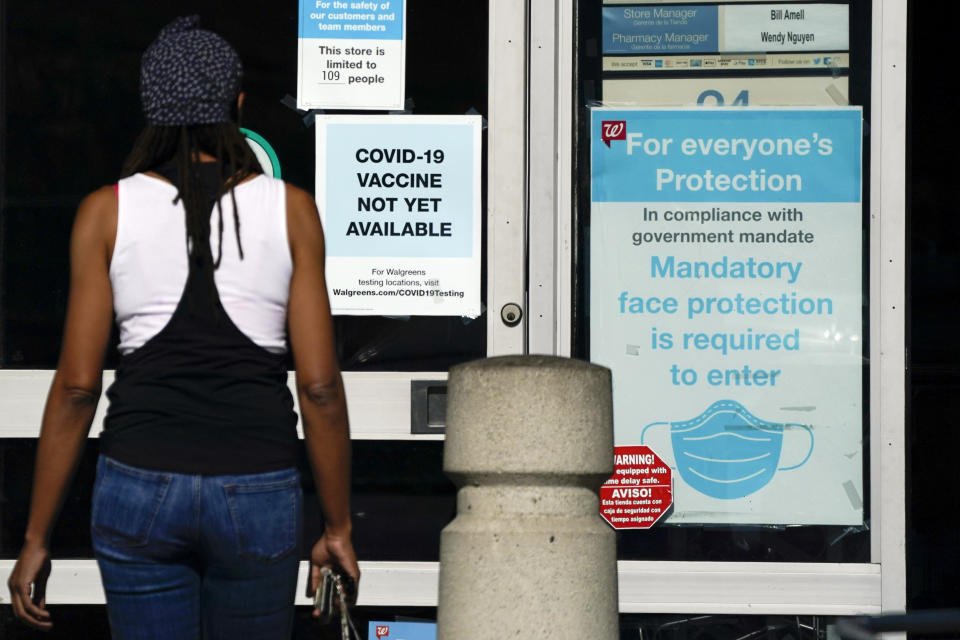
[[235, 161]]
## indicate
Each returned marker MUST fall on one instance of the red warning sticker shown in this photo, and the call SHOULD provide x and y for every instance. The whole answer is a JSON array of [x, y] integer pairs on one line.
[[640, 490]]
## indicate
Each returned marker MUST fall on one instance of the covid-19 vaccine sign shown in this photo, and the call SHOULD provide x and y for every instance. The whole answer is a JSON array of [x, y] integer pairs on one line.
[[400, 201], [351, 54], [726, 294]]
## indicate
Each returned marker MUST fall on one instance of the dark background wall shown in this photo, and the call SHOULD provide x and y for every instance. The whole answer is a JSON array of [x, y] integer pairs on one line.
[[933, 537]]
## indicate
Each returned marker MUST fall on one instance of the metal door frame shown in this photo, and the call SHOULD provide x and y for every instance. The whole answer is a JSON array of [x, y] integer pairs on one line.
[[748, 588]]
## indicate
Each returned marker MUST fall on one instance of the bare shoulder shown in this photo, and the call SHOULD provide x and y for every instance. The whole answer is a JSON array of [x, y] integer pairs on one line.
[[96, 219], [303, 220], [103, 201], [300, 202]]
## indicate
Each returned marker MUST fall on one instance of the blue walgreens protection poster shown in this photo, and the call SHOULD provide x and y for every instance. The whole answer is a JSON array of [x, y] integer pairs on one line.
[[402, 630], [726, 295]]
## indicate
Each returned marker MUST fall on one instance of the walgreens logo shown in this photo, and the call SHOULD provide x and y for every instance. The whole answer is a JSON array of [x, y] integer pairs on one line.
[[613, 130]]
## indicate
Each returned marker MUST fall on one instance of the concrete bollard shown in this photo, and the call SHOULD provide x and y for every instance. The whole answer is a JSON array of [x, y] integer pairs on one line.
[[529, 442]]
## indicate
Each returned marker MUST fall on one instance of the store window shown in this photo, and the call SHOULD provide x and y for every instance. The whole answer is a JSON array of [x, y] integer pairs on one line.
[[722, 213], [70, 114]]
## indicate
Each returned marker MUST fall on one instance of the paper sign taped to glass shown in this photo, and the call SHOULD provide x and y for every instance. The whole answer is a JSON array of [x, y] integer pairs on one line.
[[351, 57], [726, 296], [399, 197], [683, 29]]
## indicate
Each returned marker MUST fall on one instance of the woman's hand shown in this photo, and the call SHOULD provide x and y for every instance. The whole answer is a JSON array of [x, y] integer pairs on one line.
[[323, 405], [30, 574], [334, 551]]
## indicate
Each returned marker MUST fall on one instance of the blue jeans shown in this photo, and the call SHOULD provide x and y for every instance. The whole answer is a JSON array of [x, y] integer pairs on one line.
[[189, 557]]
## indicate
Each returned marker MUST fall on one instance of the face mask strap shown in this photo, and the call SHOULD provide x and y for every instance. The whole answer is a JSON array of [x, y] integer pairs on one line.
[[809, 451], [652, 424]]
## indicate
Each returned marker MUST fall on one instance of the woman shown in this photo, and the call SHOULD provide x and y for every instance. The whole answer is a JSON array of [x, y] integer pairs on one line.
[[197, 504]]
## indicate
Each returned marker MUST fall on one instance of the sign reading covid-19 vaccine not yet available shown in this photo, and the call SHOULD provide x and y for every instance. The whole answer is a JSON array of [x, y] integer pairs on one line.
[[400, 202], [351, 54], [726, 296]]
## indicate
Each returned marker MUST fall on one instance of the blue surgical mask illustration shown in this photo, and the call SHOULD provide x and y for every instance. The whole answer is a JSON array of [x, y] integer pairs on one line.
[[726, 452]]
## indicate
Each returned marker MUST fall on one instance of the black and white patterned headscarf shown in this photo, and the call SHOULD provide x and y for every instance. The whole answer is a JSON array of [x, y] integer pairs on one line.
[[189, 76]]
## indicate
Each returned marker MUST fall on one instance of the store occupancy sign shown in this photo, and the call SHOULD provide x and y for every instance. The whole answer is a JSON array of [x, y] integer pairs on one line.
[[351, 54], [399, 197], [726, 296], [640, 490]]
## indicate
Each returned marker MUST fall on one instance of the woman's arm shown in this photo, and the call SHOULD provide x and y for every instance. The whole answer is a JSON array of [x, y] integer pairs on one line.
[[72, 400], [323, 406]]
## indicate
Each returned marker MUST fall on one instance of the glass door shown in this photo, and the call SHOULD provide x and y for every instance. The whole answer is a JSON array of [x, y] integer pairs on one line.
[[70, 112], [633, 66]]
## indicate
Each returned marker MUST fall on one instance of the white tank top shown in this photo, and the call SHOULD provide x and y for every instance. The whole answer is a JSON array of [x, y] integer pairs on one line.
[[148, 270]]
